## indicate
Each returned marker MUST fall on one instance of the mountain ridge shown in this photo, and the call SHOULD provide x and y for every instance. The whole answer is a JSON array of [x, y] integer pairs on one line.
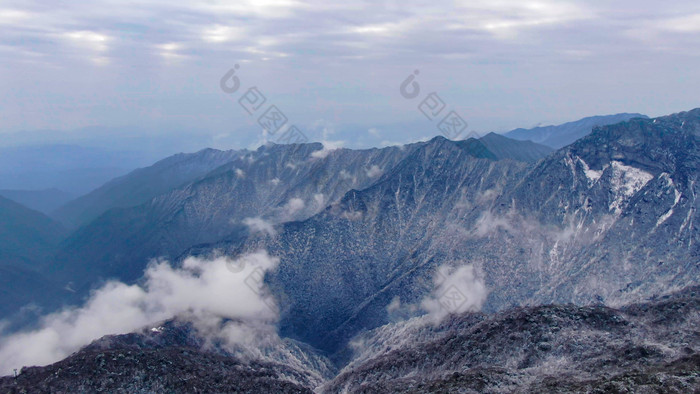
[[558, 136]]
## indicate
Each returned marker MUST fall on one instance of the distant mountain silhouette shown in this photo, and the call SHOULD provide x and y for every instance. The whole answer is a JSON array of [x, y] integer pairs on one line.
[[143, 184], [565, 134], [44, 201]]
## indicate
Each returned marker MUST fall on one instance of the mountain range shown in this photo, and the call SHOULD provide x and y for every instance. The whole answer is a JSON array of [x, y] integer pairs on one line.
[[582, 258]]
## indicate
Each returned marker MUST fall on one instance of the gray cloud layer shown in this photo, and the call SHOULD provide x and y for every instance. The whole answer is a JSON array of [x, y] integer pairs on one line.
[[500, 63]]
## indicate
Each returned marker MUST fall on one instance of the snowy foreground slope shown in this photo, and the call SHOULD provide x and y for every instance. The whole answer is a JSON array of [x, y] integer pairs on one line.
[[555, 348], [645, 347]]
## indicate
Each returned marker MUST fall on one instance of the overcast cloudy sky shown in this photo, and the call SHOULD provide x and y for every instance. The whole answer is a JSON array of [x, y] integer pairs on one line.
[[335, 69]]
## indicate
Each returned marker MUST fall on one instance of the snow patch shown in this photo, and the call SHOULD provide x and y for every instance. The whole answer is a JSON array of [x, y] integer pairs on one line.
[[592, 175], [664, 217], [668, 213], [626, 181]]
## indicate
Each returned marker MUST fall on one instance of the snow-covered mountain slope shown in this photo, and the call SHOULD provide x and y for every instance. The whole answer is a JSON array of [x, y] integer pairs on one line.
[[609, 219], [274, 184], [251, 193], [368, 241], [623, 206], [352, 258]]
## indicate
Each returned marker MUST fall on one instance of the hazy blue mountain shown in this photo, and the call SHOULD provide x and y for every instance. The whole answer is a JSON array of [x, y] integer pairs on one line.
[[145, 143], [507, 148], [28, 240], [71, 168], [26, 294], [44, 201], [27, 237], [143, 184], [561, 135]]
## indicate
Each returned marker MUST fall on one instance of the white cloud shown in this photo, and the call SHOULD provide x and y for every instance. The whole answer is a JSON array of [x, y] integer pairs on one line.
[[374, 171], [488, 223], [352, 215], [9, 16], [171, 51], [505, 19], [201, 291], [259, 225], [684, 24], [221, 33], [310, 71], [328, 147], [94, 43], [90, 39], [457, 290], [320, 200], [394, 305], [293, 206]]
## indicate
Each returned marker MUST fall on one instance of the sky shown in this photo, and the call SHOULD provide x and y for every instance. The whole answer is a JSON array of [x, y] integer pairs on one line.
[[106, 69]]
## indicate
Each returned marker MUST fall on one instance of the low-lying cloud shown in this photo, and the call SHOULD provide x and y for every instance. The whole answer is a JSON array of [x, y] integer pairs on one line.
[[457, 290], [260, 225], [328, 147], [202, 291]]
